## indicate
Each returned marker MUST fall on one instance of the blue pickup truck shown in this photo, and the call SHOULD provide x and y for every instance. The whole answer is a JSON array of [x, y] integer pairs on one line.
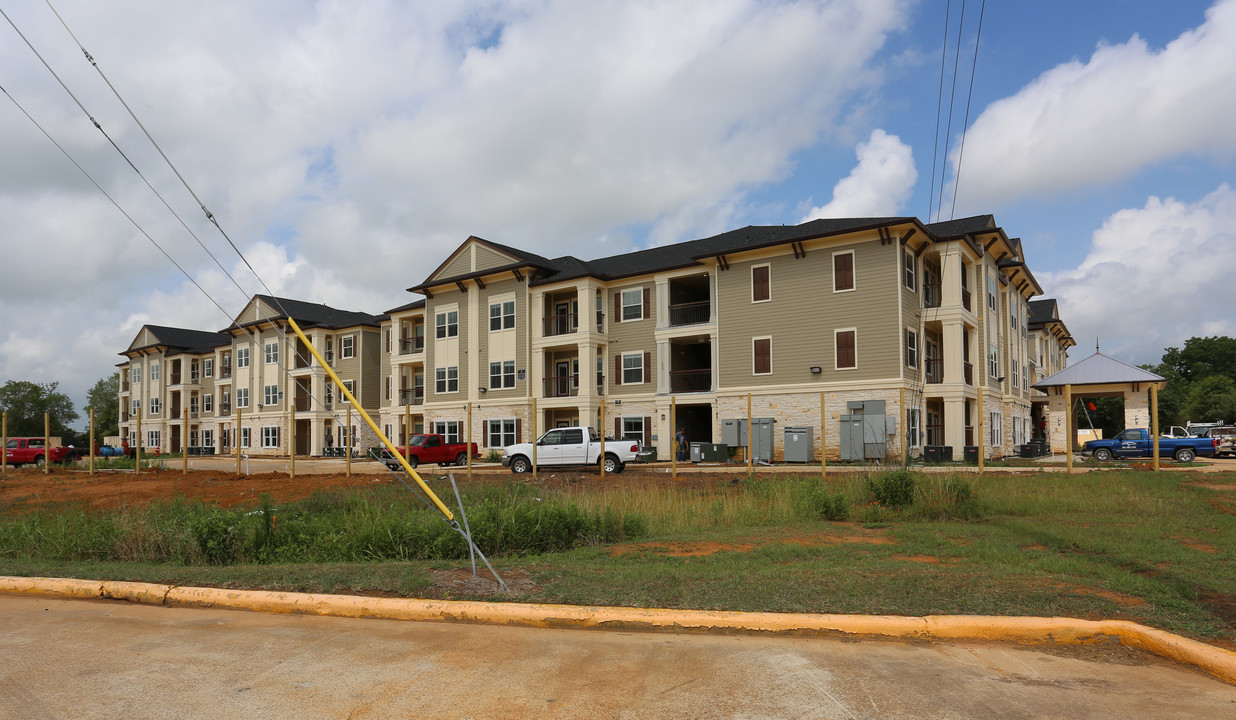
[[1135, 443]]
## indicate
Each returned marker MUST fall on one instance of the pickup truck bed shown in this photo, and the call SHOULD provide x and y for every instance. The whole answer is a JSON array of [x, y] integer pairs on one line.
[[1135, 443]]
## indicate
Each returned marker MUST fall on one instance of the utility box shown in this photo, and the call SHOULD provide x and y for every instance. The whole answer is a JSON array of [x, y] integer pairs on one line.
[[714, 452], [696, 452], [865, 431], [734, 434], [799, 444]]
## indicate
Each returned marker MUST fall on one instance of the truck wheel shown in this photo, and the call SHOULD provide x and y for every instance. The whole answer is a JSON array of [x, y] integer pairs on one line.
[[1184, 455], [612, 464], [461, 459], [412, 461], [520, 464], [38, 461], [1103, 455]]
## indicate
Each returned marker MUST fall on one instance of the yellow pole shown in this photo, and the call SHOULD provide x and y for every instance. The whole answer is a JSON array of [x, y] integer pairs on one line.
[[534, 437], [292, 439], [184, 440], [47, 448], [982, 441], [1154, 423], [602, 433], [904, 430], [372, 425], [237, 438], [4, 442], [348, 431], [674, 434], [137, 446], [823, 439], [1068, 428], [91, 441], [469, 443], [749, 433]]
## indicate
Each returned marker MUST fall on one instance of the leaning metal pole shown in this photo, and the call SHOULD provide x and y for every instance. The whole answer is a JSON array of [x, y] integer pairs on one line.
[[464, 514]]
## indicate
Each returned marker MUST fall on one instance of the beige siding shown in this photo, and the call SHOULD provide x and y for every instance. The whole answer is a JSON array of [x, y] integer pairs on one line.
[[384, 363], [460, 265], [254, 311], [486, 258], [630, 337], [522, 317], [350, 368], [432, 308], [803, 313], [911, 308], [373, 384]]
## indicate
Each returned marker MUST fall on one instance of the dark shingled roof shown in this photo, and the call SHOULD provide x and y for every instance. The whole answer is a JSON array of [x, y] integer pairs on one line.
[[1043, 311], [182, 340], [963, 226], [414, 305], [308, 314]]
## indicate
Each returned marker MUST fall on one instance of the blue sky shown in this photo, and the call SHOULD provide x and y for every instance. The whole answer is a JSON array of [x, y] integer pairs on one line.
[[348, 147]]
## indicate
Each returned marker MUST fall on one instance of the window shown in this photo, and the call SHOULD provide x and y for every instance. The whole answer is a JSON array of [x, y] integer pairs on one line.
[[154, 370], [244, 437], [633, 429], [193, 404], [387, 334], [910, 263], [846, 342], [911, 349], [137, 405], [843, 271], [242, 357], [446, 380], [991, 290], [152, 439], [388, 392], [208, 367], [632, 368], [501, 433], [208, 403], [448, 429], [1016, 375], [761, 355], [993, 361], [270, 395], [155, 406], [272, 352], [270, 436], [995, 432], [225, 402], [350, 386], [208, 438], [761, 289], [502, 315], [242, 397], [447, 324], [502, 374], [347, 347], [914, 431], [632, 304], [137, 374]]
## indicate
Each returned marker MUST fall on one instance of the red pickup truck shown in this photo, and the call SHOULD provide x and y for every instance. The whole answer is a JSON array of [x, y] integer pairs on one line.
[[432, 449], [32, 450]]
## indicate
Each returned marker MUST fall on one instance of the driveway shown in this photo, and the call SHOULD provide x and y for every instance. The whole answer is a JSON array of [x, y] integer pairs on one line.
[[105, 659]]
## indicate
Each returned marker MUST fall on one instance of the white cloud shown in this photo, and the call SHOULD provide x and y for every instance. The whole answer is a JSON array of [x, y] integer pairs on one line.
[[1154, 277], [1129, 106], [879, 185]]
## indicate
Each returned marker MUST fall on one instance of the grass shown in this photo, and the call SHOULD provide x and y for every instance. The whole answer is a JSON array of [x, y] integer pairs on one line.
[[1137, 545]]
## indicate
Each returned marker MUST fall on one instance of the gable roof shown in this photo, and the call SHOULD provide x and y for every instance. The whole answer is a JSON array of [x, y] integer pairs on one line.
[[308, 314], [179, 341], [1098, 369], [1043, 311]]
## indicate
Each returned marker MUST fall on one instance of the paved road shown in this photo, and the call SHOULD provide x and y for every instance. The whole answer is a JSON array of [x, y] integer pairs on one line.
[[103, 659]]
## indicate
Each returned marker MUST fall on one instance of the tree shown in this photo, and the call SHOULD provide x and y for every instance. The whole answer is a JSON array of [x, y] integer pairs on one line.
[[1212, 399], [26, 402], [1184, 369], [104, 398]]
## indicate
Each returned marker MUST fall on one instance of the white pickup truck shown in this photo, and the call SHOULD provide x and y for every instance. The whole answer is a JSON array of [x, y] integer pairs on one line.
[[571, 446]]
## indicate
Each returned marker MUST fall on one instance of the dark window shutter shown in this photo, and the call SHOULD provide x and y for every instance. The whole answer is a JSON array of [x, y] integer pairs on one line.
[[519, 430], [647, 303], [763, 355], [484, 433], [843, 271], [647, 366], [617, 428], [845, 349], [618, 306], [759, 283], [647, 431], [618, 369]]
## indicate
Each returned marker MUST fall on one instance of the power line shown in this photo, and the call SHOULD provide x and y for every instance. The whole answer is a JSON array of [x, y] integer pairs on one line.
[[951, 100], [965, 126], [935, 145]]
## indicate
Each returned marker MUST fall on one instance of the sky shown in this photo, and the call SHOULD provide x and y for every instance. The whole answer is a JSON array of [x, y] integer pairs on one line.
[[346, 148]]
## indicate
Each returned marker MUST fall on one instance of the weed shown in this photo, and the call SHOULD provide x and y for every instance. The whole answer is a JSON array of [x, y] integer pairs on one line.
[[893, 488]]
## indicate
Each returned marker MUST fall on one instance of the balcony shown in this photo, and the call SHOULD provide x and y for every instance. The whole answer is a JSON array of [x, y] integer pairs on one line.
[[413, 396], [690, 313], [561, 324], [969, 435], [175, 378], [932, 293], [124, 386], [934, 370], [225, 371], [225, 409], [411, 345], [690, 381], [304, 403], [965, 299], [968, 369], [562, 386], [330, 357]]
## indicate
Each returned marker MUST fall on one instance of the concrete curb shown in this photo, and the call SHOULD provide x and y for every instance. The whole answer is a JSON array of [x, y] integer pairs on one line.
[[1218, 662]]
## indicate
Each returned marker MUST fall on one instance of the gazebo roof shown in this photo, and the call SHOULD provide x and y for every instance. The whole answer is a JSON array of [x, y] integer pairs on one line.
[[1098, 369]]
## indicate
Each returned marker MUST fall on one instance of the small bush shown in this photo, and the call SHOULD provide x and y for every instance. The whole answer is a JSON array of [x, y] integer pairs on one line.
[[493, 456], [818, 503], [894, 489], [946, 497], [218, 537]]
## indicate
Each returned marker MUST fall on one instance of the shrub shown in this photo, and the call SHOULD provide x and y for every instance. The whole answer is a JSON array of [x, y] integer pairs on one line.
[[820, 504], [218, 536], [946, 497], [894, 488]]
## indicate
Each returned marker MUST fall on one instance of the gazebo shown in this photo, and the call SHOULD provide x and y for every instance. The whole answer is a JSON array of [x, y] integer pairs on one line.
[[1101, 376]]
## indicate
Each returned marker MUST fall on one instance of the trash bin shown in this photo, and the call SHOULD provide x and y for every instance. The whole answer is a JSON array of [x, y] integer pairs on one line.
[[971, 454], [697, 453]]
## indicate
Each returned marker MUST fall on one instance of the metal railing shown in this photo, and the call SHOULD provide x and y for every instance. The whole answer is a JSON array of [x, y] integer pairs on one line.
[[935, 370], [965, 299], [692, 313], [175, 379], [969, 435], [562, 324], [225, 371], [562, 386], [689, 381], [968, 371], [303, 403], [412, 396], [935, 434], [931, 295], [225, 409], [408, 346]]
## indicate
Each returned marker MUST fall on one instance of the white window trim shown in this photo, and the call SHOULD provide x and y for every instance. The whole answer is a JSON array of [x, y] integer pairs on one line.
[[348, 355], [770, 354], [500, 424], [246, 437], [760, 265], [445, 312], [443, 428], [267, 398], [267, 442], [500, 301], [154, 370], [242, 392], [242, 353], [208, 367], [837, 353], [634, 419], [351, 386], [643, 371], [909, 273], [639, 292], [208, 402], [853, 271], [908, 334], [270, 350], [446, 378]]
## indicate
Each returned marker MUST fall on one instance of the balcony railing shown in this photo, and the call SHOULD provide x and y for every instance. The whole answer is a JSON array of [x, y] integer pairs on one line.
[[968, 370], [562, 324], [412, 396], [304, 403], [194, 378], [225, 371], [562, 386], [124, 386], [935, 370], [935, 434], [330, 357], [692, 313], [689, 381], [225, 409], [969, 435], [965, 298], [303, 358], [175, 379], [931, 295], [408, 346]]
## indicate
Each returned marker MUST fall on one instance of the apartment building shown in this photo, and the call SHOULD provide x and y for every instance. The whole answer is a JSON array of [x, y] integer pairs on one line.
[[254, 383], [1049, 346], [909, 334]]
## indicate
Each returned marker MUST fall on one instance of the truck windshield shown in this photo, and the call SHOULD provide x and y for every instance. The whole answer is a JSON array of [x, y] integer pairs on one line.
[[417, 441], [11, 444]]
